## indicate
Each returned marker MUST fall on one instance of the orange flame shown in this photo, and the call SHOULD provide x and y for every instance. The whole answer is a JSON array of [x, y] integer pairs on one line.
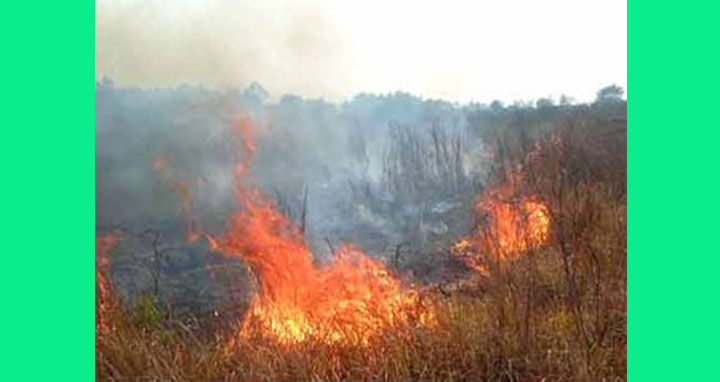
[[514, 226], [350, 300], [104, 300]]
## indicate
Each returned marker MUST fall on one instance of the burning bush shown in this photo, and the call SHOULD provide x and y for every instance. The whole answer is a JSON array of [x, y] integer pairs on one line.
[[350, 300], [510, 224]]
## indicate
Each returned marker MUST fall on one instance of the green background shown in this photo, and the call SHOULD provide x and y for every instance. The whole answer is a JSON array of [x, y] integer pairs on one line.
[[47, 157], [673, 212]]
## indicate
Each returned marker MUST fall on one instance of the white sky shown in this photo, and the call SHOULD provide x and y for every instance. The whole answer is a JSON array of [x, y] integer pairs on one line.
[[456, 50]]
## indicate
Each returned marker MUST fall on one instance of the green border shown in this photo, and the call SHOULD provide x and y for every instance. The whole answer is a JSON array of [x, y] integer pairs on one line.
[[672, 190], [47, 156]]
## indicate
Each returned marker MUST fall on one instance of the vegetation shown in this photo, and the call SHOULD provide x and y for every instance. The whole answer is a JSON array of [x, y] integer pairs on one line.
[[556, 312]]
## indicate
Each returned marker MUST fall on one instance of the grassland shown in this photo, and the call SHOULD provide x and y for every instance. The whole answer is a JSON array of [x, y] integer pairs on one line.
[[556, 313]]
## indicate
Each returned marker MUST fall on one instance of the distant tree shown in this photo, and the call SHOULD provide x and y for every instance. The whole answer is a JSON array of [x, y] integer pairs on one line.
[[612, 93], [496, 105], [544, 103], [566, 100], [255, 93]]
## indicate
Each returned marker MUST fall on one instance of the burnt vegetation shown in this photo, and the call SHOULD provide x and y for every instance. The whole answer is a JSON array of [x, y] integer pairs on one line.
[[404, 179]]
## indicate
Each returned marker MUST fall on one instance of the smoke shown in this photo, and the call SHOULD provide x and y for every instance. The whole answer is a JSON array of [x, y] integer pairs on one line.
[[292, 46], [460, 51]]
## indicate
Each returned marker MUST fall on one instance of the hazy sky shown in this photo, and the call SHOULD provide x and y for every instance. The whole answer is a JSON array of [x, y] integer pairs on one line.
[[456, 50]]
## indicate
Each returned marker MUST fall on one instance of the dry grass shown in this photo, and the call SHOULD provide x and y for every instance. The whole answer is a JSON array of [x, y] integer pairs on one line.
[[511, 328], [556, 314]]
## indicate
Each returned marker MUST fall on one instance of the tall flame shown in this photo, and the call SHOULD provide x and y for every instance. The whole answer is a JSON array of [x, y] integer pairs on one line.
[[105, 301], [350, 300]]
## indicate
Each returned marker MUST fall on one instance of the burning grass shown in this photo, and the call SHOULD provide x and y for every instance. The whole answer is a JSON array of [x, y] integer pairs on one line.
[[350, 301], [105, 301], [549, 307], [513, 226], [474, 338]]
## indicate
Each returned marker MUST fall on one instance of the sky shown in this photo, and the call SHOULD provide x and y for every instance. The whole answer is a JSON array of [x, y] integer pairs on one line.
[[460, 51]]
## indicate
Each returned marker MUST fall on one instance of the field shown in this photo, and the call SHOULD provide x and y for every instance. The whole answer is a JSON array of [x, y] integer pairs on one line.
[[537, 247]]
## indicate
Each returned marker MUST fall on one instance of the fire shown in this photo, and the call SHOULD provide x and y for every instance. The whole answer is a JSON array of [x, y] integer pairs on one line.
[[513, 226], [514, 229], [350, 300], [104, 299]]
